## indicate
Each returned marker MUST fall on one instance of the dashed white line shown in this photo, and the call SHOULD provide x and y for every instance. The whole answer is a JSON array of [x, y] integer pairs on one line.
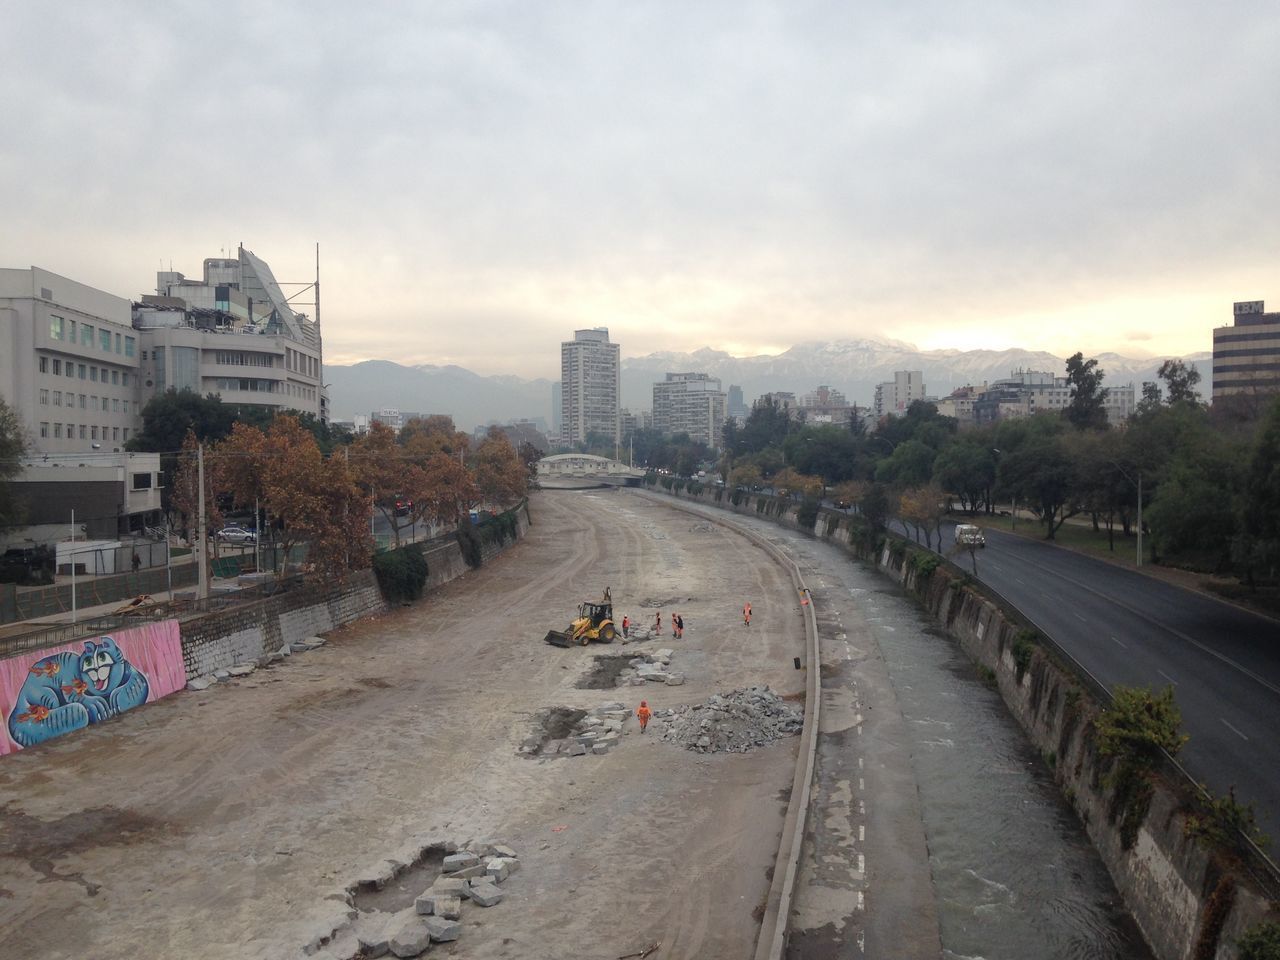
[[1118, 643], [1167, 677], [1235, 731], [1080, 618], [1020, 580]]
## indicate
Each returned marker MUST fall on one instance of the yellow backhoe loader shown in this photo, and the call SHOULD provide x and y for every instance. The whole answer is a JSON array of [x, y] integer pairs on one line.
[[594, 622]]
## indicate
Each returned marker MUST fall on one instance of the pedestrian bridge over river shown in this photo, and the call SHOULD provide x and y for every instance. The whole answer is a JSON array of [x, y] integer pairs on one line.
[[576, 471]]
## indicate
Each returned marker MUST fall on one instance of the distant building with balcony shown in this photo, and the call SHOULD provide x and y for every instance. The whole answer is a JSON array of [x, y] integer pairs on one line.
[[590, 386], [893, 398], [232, 333], [691, 403], [1246, 355]]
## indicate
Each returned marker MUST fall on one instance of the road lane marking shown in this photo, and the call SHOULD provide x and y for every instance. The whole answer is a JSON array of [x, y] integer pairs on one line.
[[1122, 646], [1020, 580], [1167, 677], [1080, 618], [1235, 731]]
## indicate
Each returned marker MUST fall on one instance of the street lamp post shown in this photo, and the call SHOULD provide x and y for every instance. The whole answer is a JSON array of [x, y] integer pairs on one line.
[[1138, 483]]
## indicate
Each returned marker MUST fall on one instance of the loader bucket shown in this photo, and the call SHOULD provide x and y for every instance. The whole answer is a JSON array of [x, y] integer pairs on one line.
[[558, 638]]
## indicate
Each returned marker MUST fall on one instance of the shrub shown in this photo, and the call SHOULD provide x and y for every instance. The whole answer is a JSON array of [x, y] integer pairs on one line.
[[1024, 645], [1219, 821], [650, 479], [469, 542], [401, 574], [807, 515], [736, 499], [1260, 943], [924, 564]]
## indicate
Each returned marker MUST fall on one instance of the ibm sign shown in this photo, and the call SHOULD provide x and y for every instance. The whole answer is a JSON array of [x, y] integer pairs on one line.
[[1248, 306]]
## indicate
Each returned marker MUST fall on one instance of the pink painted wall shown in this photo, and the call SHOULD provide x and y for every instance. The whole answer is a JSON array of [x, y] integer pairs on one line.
[[39, 684]]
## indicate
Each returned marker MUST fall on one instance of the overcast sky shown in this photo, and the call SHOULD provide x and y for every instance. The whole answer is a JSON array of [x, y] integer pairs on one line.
[[484, 177]]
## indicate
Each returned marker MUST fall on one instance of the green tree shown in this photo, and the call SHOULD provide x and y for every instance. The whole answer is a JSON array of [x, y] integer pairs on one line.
[[767, 425], [966, 469], [825, 451], [1260, 503], [1180, 381], [13, 447], [1041, 474], [1087, 408], [168, 416], [910, 465]]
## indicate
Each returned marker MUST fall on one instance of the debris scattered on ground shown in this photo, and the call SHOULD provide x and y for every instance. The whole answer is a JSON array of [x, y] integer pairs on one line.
[[475, 874], [731, 723], [198, 684], [578, 733]]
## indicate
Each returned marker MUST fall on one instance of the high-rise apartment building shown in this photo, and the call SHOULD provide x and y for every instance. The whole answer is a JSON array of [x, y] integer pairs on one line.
[[590, 386], [691, 403], [1246, 355], [232, 333], [69, 363], [893, 398]]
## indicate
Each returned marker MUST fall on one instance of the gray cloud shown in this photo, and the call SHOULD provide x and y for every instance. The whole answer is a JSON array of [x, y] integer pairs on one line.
[[484, 177]]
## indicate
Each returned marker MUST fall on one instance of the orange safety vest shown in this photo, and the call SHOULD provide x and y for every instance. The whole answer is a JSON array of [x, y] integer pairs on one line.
[[644, 713]]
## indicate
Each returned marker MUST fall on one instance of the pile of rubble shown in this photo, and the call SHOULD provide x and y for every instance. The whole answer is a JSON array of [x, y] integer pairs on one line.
[[470, 876], [733, 723], [244, 669], [596, 733], [651, 668]]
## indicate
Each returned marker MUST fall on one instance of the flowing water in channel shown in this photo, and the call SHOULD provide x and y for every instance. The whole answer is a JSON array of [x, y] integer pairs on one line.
[[1014, 872]]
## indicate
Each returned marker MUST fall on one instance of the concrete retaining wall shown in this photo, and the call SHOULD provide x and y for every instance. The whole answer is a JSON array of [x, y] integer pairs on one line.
[[1177, 891], [246, 633]]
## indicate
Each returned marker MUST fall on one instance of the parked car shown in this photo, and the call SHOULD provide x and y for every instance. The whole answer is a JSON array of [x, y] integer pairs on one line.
[[403, 506], [236, 535]]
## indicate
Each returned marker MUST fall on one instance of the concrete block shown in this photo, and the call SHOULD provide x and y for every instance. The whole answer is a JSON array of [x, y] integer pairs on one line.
[[495, 868], [502, 850], [201, 683], [551, 748], [482, 850], [459, 861], [468, 873], [409, 936], [222, 676], [371, 932], [241, 669], [443, 930], [448, 886], [576, 749], [587, 738], [600, 749], [285, 651], [486, 895], [447, 905], [675, 679]]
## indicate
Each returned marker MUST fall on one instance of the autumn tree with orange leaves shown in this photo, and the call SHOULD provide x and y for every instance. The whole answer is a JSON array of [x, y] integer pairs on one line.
[[185, 495], [500, 473], [385, 470]]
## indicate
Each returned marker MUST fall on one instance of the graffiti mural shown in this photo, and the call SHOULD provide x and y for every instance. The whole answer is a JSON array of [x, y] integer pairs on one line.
[[49, 693]]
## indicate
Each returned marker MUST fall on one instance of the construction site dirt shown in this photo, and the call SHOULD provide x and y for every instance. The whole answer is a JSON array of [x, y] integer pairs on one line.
[[227, 823]]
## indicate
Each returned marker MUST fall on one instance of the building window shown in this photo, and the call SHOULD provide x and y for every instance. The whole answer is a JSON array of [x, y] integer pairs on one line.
[[44, 364], [55, 328], [44, 430], [124, 379], [57, 366], [125, 435], [82, 371], [115, 405], [71, 370], [82, 399], [57, 398], [126, 405], [104, 340], [86, 335], [115, 377], [93, 374], [82, 431], [129, 344], [142, 481], [93, 403], [71, 331], [57, 431], [44, 397], [93, 433], [115, 433], [106, 404], [118, 340]]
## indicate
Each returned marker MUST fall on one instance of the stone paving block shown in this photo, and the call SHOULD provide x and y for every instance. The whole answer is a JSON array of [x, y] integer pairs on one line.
[[675, 679], [576, 749], [201, 683], [459, 861], [409, 936], [221, 675], [495, 868], [442, 930], [486, 895], [371, 932], [468, 873], [241, 669], [600, 749], [551, 748], [502, 850], [450, 886]]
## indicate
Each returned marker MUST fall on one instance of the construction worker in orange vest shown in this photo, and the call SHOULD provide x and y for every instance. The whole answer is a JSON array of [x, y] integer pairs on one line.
[[746, 613], [644, 713]]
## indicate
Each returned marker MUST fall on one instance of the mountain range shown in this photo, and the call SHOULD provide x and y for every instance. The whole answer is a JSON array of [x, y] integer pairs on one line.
[[853, 367]]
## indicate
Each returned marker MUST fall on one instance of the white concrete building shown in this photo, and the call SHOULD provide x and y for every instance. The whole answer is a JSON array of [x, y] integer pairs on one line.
[[69, 362], [590, 386], [232, 333], [691, 403]]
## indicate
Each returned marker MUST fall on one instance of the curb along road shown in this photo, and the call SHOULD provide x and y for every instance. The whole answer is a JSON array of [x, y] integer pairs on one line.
[[773, 927]]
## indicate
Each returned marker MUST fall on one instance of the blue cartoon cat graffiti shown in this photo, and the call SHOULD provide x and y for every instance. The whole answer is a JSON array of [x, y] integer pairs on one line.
[[68, 691]]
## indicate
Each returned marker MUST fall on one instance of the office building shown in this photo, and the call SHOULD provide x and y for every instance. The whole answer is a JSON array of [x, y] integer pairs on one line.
[[589, 387], [737, 407], [70, 362], [1246, 355], [892, 398], [232, 333], [691, 403]]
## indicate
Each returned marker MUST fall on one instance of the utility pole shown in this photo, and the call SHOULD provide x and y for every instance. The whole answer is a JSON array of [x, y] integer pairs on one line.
[[168, 555], [257, 537], [72, 556], [317, 304], [202, 557], [1139, 518]]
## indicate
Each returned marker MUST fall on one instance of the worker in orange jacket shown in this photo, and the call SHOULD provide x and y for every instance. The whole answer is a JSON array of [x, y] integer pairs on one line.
[[626, 626], [746, 613], [644, 713]]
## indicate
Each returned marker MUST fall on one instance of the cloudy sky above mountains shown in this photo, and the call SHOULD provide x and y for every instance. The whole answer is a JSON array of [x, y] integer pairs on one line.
[[484, 177]]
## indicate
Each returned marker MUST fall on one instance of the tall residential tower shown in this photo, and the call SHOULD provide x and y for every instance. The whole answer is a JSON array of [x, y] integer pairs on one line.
[[589, 386]]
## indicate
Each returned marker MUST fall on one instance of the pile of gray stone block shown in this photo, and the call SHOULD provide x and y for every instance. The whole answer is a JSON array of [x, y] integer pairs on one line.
[[597, 733], [469, 878], [731, 723], [652, 667], [244, 669]]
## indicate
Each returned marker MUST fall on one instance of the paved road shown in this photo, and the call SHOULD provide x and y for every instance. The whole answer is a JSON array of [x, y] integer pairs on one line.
[[1125, 628]]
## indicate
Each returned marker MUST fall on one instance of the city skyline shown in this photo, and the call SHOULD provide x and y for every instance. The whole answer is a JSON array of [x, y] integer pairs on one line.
[[739, 177]]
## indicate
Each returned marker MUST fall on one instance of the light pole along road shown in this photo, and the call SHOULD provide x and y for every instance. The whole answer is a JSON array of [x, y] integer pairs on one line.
[[1129, 629]]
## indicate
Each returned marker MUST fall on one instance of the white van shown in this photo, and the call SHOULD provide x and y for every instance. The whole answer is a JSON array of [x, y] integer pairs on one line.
[[969, 535]]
